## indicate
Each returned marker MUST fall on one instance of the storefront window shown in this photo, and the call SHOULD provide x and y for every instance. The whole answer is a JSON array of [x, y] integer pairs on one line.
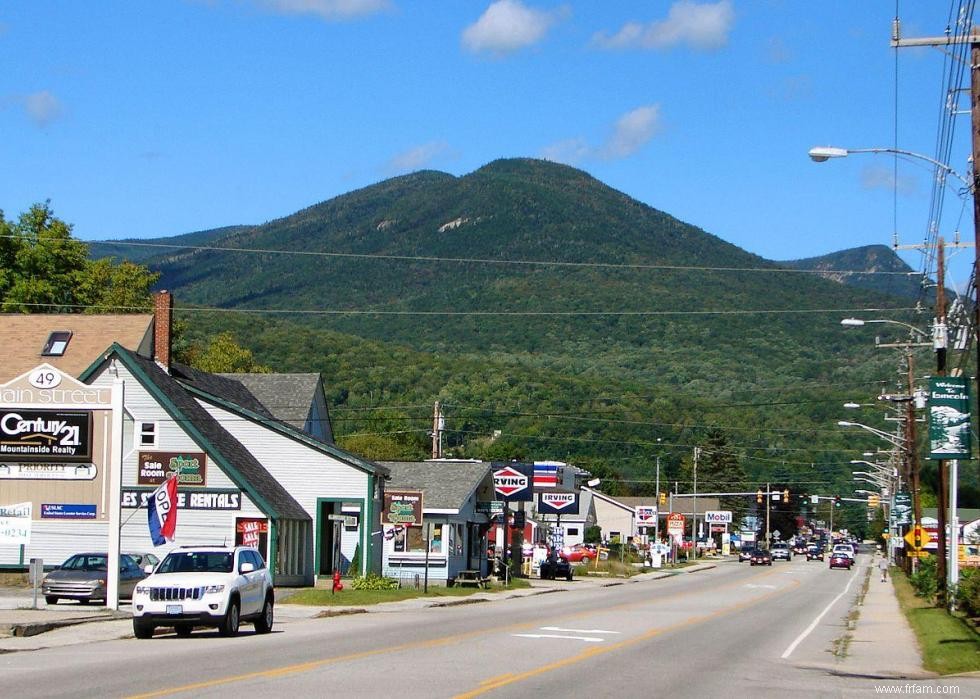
[[412, 540]]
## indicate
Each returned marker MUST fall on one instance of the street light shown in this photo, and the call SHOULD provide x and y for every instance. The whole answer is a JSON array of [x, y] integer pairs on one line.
[[821, 154], [920, 334], [890, 438]]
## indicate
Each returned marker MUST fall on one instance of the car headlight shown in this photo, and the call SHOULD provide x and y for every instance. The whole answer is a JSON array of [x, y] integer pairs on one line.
[[98, 583], [213, 589]]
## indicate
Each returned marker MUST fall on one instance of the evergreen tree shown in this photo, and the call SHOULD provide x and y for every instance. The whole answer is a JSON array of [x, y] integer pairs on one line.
[[720, 471]]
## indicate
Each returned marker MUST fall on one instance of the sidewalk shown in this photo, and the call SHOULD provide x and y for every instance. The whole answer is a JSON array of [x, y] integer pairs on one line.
[[882, 644], [23, 628]]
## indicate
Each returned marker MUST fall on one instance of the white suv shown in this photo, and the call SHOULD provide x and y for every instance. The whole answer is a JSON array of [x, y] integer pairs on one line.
[[213, 586]]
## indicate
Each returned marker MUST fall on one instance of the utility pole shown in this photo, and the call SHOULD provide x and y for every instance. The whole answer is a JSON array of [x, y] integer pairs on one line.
[[973, 38], [939, 331], [656, 521], [438, 422], [694, 520]]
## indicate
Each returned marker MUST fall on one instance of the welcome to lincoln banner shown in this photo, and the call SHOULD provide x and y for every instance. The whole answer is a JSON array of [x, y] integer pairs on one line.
[[949, 418]]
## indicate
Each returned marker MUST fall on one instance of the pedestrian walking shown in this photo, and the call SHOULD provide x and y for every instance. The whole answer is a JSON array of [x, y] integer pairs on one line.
[[883, 567]]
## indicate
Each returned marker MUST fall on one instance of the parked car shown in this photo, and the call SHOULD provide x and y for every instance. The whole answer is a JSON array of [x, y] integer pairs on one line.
[[213, 586], [83, 577], [760, 557], [556, 567], [143, 559], [814, 552], [579, 553], [839, 559], [780, 551]]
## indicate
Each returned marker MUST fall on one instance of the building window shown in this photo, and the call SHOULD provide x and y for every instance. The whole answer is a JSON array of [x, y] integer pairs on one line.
[[415, 540], [57, 343], [573, 531], [147, 434]]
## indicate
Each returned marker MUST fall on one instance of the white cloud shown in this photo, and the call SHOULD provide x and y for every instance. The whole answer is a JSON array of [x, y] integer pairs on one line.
[[631, 132], [507, 26], [703, 26], [42, 107], [882, 177], [325, 9], [416, 158]]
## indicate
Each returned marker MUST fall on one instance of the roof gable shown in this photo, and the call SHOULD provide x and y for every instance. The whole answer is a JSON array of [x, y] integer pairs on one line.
[[447, 484]]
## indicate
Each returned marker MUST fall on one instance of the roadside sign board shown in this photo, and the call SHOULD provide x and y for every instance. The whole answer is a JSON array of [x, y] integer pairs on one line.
[[646, 516], [949, 417], [675, 525], [402, 507], [490, 507], [718, 516], [922, 535], [513, 482], [557, 502]]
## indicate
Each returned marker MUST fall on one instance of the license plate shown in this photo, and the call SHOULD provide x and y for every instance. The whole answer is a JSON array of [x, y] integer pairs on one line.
[[175, 609]]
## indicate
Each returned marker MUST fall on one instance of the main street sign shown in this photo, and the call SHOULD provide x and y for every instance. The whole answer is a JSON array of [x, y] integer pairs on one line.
[[949, 417], [512, 482]]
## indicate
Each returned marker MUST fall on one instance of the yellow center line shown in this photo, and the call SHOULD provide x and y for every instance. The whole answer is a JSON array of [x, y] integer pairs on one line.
[[434, 643]]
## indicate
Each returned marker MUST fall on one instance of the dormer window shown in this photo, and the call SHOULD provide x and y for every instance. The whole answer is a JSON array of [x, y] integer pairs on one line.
[[57, 343]]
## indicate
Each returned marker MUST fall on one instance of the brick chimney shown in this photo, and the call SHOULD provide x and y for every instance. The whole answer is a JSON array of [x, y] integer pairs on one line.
[[163, 314]]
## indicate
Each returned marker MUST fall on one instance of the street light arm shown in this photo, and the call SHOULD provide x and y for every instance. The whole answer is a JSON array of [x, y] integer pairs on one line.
[[857, 322], [896, 441], [820, 154]]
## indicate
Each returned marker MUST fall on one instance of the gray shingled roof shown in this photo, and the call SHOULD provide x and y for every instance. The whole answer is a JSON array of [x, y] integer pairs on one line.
[[220, 444], [287, 396], [223, 386], [446, 484]]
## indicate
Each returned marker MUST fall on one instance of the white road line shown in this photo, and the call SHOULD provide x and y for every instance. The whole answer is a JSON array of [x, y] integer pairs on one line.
[[753, 586], [587, 639], [811, 627], [557, 628]]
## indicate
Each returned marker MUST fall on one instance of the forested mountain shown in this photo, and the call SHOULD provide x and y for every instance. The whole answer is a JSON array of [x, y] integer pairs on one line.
[[141, 249], [553, 317], [899, 279]]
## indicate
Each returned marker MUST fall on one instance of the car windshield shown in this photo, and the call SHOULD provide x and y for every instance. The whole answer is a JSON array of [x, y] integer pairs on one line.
[[197, 562], [87, 561]]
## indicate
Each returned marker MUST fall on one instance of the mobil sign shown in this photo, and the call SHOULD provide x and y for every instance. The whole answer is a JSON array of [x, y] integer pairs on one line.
[[718, 516], [512, 482], [557, 502]]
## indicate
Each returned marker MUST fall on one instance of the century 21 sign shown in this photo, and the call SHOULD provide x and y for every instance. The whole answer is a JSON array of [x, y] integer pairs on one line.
[[46, 435]]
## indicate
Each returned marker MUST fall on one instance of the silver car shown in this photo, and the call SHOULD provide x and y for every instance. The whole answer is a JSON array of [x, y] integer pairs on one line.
[[83, 577]]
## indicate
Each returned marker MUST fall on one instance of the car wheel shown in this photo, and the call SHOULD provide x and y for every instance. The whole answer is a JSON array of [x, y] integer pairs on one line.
[[183, 630], [543, 576], [141, 630], [569, 577], [586, 560], [264, 623], [51, 600], [229, 625], [770, 562]]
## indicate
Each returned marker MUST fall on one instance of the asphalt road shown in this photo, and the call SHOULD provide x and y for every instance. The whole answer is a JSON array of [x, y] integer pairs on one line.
[[730, 631]]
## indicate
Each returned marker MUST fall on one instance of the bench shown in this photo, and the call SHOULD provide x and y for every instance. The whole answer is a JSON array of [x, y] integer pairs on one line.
[[469, 577]]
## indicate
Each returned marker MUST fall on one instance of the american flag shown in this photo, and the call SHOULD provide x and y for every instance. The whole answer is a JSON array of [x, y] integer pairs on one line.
[[545, 474]]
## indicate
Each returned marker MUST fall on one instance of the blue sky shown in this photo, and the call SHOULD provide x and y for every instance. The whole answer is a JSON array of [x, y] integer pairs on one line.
[[146, 119]]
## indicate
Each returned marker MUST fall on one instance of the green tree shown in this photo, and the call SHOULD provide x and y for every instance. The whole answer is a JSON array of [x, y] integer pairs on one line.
[[223, 355], [720, 471], [44, 270]]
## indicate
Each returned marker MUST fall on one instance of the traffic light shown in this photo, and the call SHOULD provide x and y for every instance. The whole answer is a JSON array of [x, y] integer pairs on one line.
[[874, 501], [758, 496], [663, 498], [786, 495], [837, 501]]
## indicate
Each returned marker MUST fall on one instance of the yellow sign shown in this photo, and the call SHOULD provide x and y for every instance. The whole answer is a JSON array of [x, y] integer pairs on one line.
[[923, 537]]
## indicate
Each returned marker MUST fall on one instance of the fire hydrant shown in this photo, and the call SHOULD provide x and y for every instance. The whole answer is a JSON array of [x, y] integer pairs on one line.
[[337, 585]]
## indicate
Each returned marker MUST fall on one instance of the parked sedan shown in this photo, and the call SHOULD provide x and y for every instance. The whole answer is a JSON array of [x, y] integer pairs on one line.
[[579, 553], [83, 577], [839, 559], [556, 567], [760, 557]]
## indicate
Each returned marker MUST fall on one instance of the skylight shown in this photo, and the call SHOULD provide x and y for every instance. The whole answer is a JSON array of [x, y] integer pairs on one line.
[[57, 343]]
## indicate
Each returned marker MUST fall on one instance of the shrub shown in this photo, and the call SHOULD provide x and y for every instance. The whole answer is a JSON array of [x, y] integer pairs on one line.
[[968, 592], [374, 582], [924, 579]]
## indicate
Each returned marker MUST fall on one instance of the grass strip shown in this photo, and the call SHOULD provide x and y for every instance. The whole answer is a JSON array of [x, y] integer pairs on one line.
[[949, 645]]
